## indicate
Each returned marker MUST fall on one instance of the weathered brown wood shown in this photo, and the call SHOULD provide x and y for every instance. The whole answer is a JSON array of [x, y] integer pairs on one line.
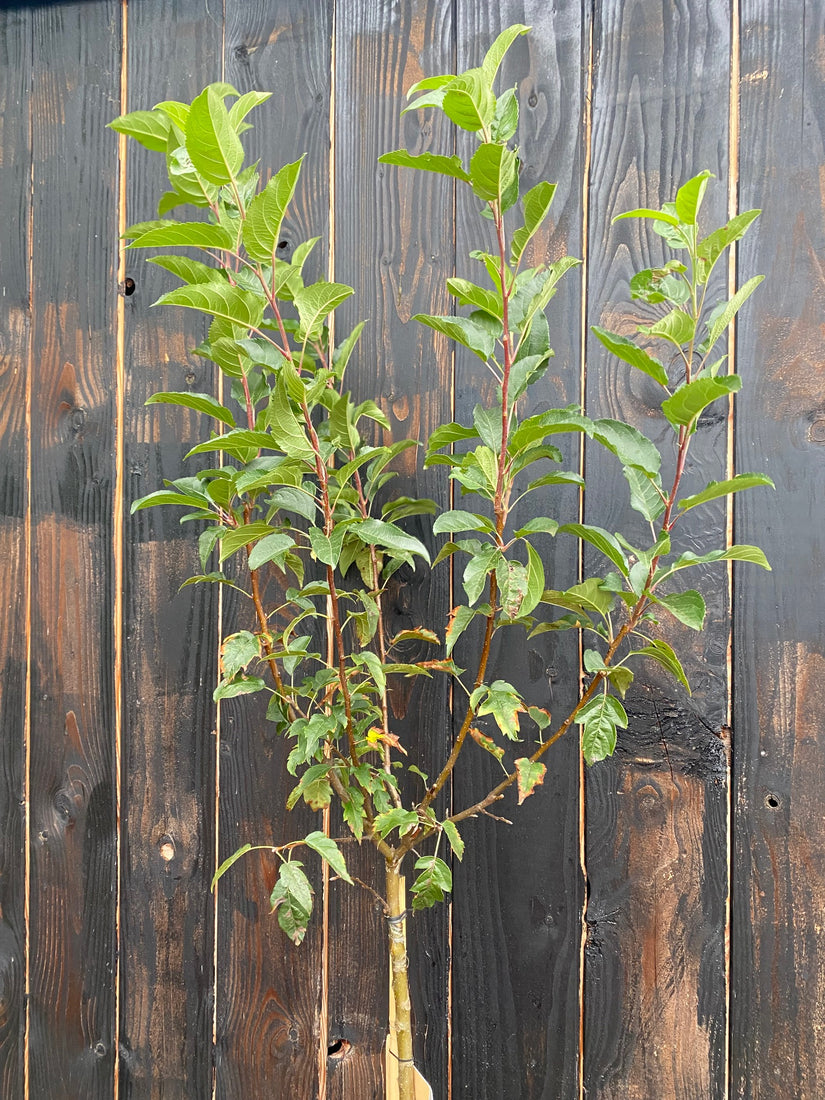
[[394, 244], [269, 1021], [15, 185], [170, 660], [778, 943], [75, 90], [656, 820], [518, 901]]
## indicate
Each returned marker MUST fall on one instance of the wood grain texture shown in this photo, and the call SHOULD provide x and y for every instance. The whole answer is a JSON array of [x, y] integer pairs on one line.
[[518, 899], [394, 245], [269, 1009], [170, 659], [778, 945], [660, 115], [75, 90], [15, 185]]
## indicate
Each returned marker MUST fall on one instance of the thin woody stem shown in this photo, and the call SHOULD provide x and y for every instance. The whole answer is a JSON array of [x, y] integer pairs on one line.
[[667, 522]]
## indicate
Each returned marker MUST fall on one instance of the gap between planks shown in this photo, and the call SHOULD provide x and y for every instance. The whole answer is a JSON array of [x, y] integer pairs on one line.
[[585, 223], [733, 203], [118, 523]]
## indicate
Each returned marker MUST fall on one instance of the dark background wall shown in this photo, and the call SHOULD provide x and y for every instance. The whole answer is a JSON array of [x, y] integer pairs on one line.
[[653, 928]]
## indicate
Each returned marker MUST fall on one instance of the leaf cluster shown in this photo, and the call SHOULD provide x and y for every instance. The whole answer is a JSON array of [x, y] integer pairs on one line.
[[299, 483]]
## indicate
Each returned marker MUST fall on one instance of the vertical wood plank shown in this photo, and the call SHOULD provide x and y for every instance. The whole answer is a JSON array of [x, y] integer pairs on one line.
[[778, 943], [394, 245], [269, 1009], [170, 660], [75, 90], [518, 900], [656, 840], [15, 184]]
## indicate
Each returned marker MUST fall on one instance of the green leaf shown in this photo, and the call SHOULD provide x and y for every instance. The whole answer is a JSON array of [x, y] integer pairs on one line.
[[270, 548], [478, 332], [265, 215], [291, 897], [149, 128], [504, 703], [505, 120], [676, 327], [495, 54], [711, 248], [456, 520], [687, 607], [189, 270], [542, 525], [427, 162], [476, 571], [447, 434], [237, 650], [589, 596], [645, 493], [315, 303], [247, 533], [169, 496], [730, 310], [434, 881], [599, 718], [493, 168], [486, 743], [628, 352], [376, 532], [629, 445], [469, 294], [453, 835], [206, 544], [535, 582], [314, 788], [229, 303], [690, 400], [529, 775], [329, 851], [241, 685], [174, 234], [601, 539], [241, 107], [536, 203], [468, 101], [211, 142], [723, 488], [238, 443], [201, 402], [327, 549], [742, 552], [689, 197], [396, 818], [646, 212], [460, 619], [228, 862], [663, 653]]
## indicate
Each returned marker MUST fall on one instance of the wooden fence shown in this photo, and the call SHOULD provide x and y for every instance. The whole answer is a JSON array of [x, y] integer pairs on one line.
[[653, 928]]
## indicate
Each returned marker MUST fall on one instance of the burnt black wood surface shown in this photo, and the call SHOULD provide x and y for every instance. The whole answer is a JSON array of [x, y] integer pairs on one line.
[[394, 244], [72, 791], [269, 1004], [777, 976], [141, 982], [15, 330], [518, 904], [656, 844], [169, 650]]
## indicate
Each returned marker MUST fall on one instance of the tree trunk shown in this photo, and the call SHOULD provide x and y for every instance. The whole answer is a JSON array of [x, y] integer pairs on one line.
[[400, 1058]]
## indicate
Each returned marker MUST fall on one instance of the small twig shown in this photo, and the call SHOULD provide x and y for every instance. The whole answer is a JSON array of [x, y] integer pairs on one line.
[[370, 890]]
